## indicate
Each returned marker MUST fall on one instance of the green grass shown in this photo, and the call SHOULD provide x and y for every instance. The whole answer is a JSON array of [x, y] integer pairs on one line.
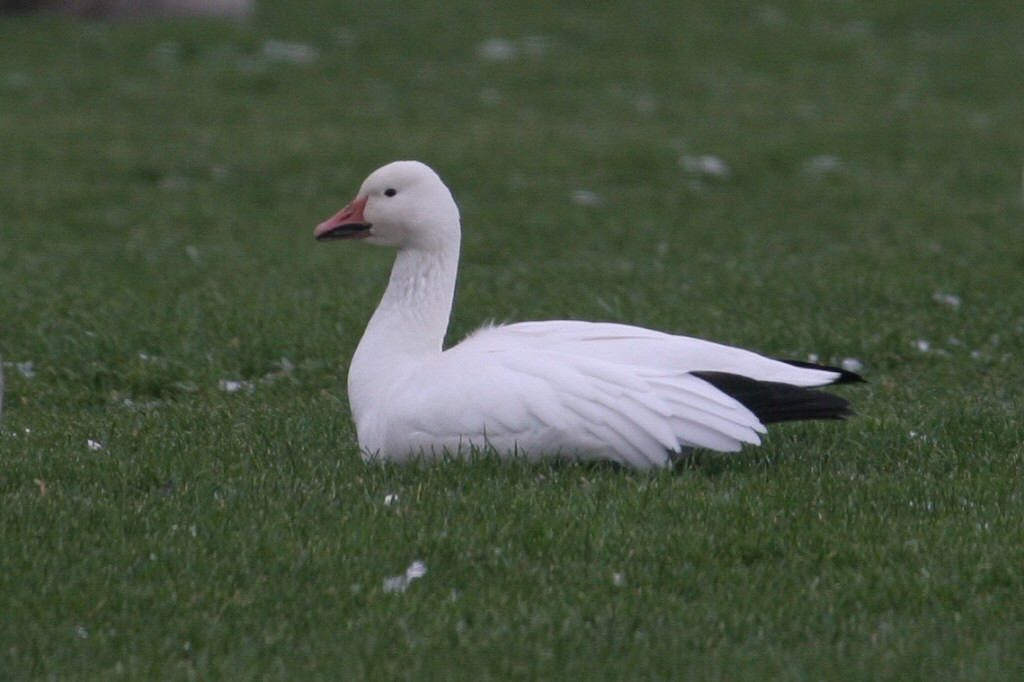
[[159, 183]]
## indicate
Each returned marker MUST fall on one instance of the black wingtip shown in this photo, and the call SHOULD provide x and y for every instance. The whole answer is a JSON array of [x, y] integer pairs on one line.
[[775, 402], [845, 375]]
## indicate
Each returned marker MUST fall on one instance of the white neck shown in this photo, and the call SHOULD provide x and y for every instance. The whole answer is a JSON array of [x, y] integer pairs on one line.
[[412, 317], [410, 323]]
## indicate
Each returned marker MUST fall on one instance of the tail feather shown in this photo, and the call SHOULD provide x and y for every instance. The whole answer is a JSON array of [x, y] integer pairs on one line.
[[845, 375]]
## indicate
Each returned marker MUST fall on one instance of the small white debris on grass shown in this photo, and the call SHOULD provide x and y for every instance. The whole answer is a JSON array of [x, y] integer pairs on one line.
[[618, 579], [81, 632], [704, 165], [497, 50], [94, 444], [291, 53], [26, 369], [820, 165], [585, 197], [232, 386], [400, 583], [952, 300], [390, 499], [923, 345], [852, 364], [500, 49], [219, 172]]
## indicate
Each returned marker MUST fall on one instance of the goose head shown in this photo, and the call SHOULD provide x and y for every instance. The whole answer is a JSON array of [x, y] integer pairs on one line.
[[404, 204]]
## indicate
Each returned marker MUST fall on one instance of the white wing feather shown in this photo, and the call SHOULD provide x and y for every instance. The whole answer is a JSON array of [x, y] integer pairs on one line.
[[575, 389]]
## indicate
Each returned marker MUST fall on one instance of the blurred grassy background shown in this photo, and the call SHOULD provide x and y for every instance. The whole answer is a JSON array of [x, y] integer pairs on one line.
[[801, 178]]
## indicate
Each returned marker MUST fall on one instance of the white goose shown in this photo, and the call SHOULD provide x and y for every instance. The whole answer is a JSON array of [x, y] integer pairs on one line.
[[579, 390]]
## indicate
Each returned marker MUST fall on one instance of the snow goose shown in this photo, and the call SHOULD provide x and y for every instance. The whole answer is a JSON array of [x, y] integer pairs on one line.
[[579, 390]]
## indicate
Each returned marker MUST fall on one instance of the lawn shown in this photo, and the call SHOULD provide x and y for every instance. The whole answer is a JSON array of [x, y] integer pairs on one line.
[[181, 491]]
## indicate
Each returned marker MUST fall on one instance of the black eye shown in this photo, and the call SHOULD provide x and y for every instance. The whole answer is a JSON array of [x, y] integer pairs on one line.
[[390, 192]]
